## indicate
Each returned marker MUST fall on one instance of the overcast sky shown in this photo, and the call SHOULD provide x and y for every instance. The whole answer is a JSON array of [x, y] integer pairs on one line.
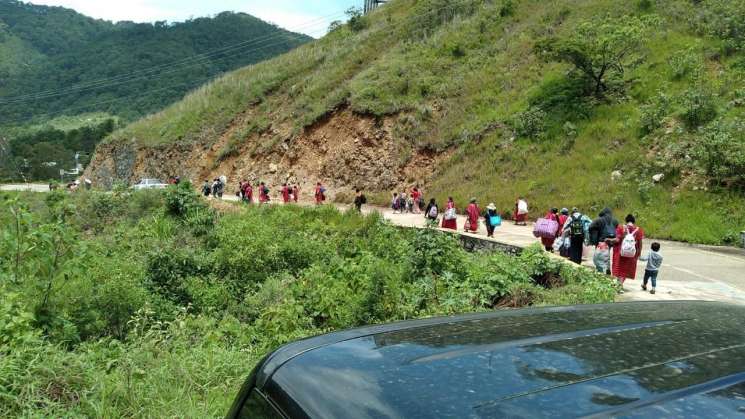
[[307, 16]]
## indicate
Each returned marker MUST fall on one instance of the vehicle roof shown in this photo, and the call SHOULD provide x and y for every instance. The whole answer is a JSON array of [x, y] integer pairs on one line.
[[630, 359]]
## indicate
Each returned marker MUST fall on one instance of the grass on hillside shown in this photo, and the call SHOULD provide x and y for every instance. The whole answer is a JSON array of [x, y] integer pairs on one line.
[[461, 75]]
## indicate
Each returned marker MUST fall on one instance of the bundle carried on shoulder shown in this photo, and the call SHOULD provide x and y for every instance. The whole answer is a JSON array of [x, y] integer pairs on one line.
[[545, 228]]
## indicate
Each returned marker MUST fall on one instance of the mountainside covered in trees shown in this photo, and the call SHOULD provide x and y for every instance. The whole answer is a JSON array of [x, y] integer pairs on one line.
[[55, 60], [568, 102]]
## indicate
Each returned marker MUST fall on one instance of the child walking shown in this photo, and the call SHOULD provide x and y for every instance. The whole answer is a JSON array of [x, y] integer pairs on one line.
[[654, 262], [601, 258]]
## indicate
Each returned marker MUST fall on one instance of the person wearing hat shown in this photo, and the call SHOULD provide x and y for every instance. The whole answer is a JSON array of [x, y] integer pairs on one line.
[[491, 212], [473, 213]]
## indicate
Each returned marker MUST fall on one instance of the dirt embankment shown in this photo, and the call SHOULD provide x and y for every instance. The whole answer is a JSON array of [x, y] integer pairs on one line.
[[344, 151]]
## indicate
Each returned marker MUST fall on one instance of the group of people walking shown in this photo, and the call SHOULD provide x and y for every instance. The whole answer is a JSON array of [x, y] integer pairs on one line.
[[617, 246], [246, 191], [411, 203]]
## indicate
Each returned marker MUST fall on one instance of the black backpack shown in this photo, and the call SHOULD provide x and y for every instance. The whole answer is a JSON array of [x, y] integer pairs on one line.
[[576, 227]]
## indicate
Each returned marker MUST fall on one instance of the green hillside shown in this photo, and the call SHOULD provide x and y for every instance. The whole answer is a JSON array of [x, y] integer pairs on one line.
[[57, 61], [518, 97]]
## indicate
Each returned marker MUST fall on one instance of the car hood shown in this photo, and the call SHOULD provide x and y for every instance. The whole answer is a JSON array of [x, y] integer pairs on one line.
[[639, 359]]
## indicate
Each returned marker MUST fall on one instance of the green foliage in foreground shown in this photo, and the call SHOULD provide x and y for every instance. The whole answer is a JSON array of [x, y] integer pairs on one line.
[[129, 304]]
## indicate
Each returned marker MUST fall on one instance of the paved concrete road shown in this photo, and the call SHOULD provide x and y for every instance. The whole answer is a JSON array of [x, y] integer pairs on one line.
[[689, 272], [28, 187]]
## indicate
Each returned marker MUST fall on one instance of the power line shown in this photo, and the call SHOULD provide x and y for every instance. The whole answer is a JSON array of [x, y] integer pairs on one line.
[[137, 94], [400, 24], [173, 66]]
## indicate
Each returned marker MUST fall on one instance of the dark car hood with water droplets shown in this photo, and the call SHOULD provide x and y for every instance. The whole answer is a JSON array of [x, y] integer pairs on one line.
[[627, 360]]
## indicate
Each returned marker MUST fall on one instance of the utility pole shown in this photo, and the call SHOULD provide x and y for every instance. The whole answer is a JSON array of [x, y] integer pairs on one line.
[[371, 5]]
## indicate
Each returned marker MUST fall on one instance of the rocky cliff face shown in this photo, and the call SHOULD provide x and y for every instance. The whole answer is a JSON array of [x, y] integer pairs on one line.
[[344, 151]]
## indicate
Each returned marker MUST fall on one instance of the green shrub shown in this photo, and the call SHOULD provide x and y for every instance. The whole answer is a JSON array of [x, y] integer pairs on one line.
[[531, 123], [654, 112], [720, 152], [699, 107], [684, 63], [167, 270]]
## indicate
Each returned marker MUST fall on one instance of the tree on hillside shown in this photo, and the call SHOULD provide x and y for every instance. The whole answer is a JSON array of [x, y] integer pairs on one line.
[[599, 49]]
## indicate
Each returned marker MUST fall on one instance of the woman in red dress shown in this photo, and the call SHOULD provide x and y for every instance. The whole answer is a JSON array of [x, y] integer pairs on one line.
[[450, 209], [473, 213], [320, 194], [625, 267], [263, 193], [548, 242]]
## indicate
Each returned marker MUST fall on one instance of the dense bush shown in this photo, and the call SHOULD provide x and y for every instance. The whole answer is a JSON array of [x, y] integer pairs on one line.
[[531, 123], [699, 107], [720, 151], [654, 112]]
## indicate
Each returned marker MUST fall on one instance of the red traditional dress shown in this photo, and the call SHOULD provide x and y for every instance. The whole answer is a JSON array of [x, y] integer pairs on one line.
[[415, 196], [451, 224], [546, 241], [472, 223], [285, 194], [248, 193], [263, 196], [295, 193], [319, 195], [624, 267]]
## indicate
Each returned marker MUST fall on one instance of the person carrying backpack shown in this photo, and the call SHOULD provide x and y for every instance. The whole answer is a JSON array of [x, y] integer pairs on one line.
[[450, 218], [627, 247], [206, 188], [576, 228], [431, 213]]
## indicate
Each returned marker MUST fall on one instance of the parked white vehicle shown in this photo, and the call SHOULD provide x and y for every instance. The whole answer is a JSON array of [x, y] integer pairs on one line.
[[149, 184]]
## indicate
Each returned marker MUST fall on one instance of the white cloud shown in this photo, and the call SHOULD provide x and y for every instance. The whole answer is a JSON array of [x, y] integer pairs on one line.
[[308, 20], [134, 10]]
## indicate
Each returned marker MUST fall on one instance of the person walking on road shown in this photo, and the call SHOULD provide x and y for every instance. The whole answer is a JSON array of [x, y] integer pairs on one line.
[[603, 229], [295, 193], [601, 257], [576, 228], [206, 189], [627, 246], [285, 194], [431, 213], [320, 194], [561, 235], [521, 211], [263, 193], [546, 241], [491, 219], [450, 218], [654, 262], [416, 196], [248, 192], [359, 200], [473, 214]]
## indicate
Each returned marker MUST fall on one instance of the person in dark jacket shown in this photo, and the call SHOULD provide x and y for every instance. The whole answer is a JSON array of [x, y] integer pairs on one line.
[[603, 229], [359, 200], [491, 211]]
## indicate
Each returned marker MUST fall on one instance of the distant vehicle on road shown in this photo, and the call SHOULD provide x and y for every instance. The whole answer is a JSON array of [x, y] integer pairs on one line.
[[149, 184], [650, 359]]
